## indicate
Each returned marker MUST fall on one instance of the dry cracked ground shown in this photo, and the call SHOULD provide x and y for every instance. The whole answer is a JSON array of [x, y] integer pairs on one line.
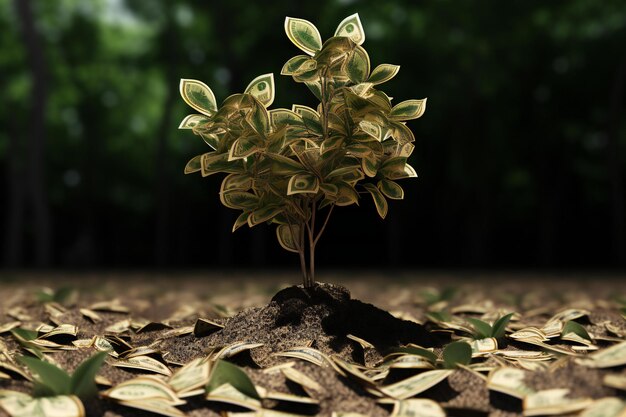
[[406, 344]]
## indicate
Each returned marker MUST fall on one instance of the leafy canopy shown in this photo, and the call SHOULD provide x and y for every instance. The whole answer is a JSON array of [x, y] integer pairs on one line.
[[283, 165]]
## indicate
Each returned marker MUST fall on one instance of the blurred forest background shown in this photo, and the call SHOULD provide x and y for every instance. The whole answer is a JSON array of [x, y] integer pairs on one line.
[[521, 154]]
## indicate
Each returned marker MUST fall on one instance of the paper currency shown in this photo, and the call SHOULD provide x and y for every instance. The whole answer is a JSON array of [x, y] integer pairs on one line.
[[298, 377], [509, 381], [606, 407], [191, 378], [306, 353], [606, 358], [226, 393], [204, 327], [417, 408], [18, 404], [553, 402], [415, 384], [144, 363], [234, 348]]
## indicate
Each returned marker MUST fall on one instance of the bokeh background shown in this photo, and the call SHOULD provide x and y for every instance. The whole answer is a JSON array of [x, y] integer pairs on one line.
[[521, 153]]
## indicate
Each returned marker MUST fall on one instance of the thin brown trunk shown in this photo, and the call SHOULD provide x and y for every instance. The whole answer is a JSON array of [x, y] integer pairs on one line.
[[615, 161], [36, 134]]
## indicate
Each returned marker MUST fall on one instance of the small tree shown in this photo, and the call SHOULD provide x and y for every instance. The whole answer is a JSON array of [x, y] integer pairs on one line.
[[293, 167]]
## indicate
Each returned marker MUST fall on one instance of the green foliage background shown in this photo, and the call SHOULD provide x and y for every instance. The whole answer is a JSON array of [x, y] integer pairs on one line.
[[520, 155]]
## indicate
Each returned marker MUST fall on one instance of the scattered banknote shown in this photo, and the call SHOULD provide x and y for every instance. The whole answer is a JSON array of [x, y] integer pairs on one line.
[[18, 404], [415, 384], [553, 402]]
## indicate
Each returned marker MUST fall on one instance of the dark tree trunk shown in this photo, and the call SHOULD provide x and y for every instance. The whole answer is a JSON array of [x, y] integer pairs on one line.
[[615, 161], [162, 184], [13, 235], [35, 157]]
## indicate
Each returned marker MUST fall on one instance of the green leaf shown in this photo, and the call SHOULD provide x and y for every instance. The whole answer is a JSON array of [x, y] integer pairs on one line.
[[357, 66], [414, 350], [283, 165], [390, 189], [352, 28], [285, 237], [573, 327], [82, 381], [372, 129], [499, 327], [52, 380], [457, 353], [298, 64], [264, 214], [226, 373], [213, 162], [379, 199], [239, 200], [262, 88], [303, 34], [483, 330], [369, 163], [24, 334], [198, 95], [241, 182], [303, 184], [409, 109], [310, 117], [315, 87], [439, 316], [383, 73]]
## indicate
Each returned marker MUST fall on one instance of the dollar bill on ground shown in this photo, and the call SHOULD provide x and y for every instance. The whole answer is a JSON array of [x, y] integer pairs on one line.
[[606, 358], [417, 407], [144, 363], [282, 396], [7, 327], [143, 388], [91, 315], [142, 326], [356, 371], [18, 404], [204, 327], [617, 381], [226, 393], [483, 347], [509, 381], [606, 407], [176, 332], [298, 377], [191, 378], [416, 384], [154, 406], [410, 362], [118, 327], [553, 402], [112, 306], [306, 353], [234, 349]]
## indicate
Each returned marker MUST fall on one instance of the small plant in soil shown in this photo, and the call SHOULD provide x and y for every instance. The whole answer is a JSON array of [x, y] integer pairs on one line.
[[292, 167], [51, 380], [484, 330]]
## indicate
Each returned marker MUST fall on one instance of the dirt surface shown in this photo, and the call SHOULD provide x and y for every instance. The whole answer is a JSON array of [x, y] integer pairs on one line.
[[386, 311]]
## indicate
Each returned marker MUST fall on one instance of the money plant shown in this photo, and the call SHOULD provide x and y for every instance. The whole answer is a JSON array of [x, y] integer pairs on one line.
[[292, 167]]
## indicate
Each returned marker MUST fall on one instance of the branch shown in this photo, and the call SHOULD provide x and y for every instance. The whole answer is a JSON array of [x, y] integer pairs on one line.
[[319, 234]]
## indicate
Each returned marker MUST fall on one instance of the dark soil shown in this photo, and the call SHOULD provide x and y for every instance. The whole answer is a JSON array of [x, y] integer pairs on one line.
[[321, 317]]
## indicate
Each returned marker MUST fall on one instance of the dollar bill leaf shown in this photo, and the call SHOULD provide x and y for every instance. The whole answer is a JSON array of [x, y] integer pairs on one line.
[[192, 121], [358, 65], [288, 236], [227, 373], [352, 28], [49, 379], [383, 73], [241, 182], [194, 165], [372, 129], [499, 327], [82, 382], [483, 330], [303, 184], [244, 147], [298, 65], [457, 353], [369, 163], [241, 220], [407, 110], [239, 199], [262, 88], [264, 214], [379, 199], [284, 165], [285, 117], [346, 195], [390, 189], [198, 96], [303, 34]]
